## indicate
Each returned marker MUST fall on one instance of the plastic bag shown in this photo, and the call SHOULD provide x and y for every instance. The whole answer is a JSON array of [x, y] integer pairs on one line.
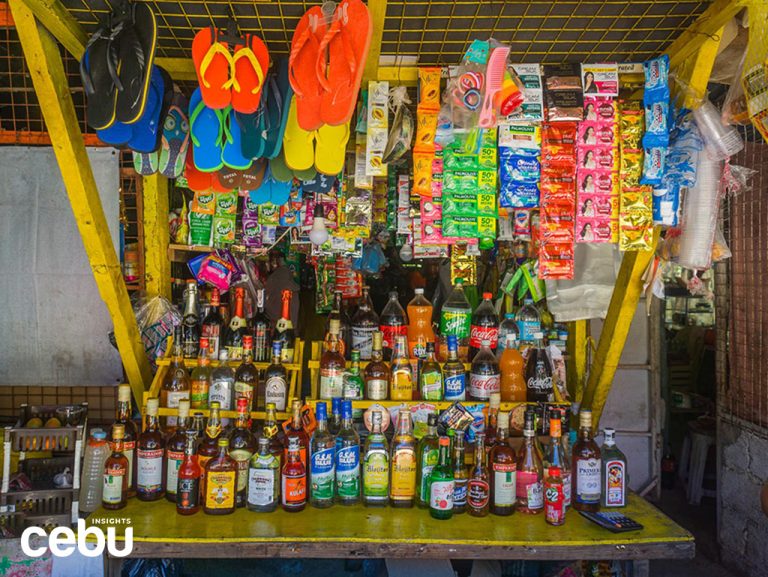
[[735, 104], [156, 319], [401, 133]]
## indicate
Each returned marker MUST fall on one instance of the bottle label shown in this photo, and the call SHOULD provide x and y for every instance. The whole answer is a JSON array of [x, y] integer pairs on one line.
[[222, 394], [530, 487], [211, 332], [220, 489], [129, 450], [504, 484], [478, 494], [587, 481], [274, 392], [376, 389], [478, 334], [431, 386], [554, 503], [331, 383], [348, 472], [455, 387], [150, 470], [441, 495], [460, 492], [198, 396], [188, 494], [260, 344], [113, 486], [376, 474], [352, 387], [235, 352], [615, 482], [402, 385], [261, 487], [173, 403], [390, 334], [455, 322], [540, 383], [362, 340], [241, 457], [322, 474], [481, 386], [528, 329], [428, 461], [294, 489], [244, 391], [173, 462], [403, 474], [286, 354], [567, 488]]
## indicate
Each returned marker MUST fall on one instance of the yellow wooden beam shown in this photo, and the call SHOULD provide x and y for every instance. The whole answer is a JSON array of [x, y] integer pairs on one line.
[[694, 72], [576, 365], [50, 81], [58, 21], [399, 75], [157, 266], [179, 68], [378, 10], [626, 295]]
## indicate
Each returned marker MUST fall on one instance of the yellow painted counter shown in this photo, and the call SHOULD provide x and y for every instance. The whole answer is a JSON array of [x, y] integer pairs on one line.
[[386, 532]]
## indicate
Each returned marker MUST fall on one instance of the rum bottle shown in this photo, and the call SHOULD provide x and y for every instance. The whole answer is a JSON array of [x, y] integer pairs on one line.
[[220, 483], [347, 459], [365, 322], [213, 325], [176, 384], [503, 471], [614, 472], [241, 447], [322, 470], [454, 373], [189, 478], [174, 451], [270, 430], [261, 330], [237, 328], [295, 430], [202, 375], [246, 375], [401, 387], [332, 366], [376, 465], [338, 313], [130, 434], [430, 377], [149, 457], [402, 485], [284, 333], [263, 479], [427, 455], [460, 475], [530, 473], [441, 483], [377, 372], [116, 473], [585, 469], [294, 479], [276, 380], [479, 489], [392, 324], [209, 446], [493, 421]]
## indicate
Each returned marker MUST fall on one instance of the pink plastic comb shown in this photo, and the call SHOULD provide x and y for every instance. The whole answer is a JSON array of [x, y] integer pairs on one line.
[[494, 79]]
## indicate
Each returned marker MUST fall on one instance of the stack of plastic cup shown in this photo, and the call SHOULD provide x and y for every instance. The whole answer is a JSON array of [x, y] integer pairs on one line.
[[700, 210], [721, 141]]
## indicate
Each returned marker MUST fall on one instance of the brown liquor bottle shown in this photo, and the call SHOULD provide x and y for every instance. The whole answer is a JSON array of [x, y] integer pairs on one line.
[[241, 448], [220, 484], [585, 469], [174, 451], [503, 470], [130, 434], [209, 447], [150, 457], [116, 473], [479, 491]]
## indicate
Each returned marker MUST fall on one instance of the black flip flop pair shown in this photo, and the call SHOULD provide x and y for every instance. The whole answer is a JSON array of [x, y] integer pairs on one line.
[[117, 64]]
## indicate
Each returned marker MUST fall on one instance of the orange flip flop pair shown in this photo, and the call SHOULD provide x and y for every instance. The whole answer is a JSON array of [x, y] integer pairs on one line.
[[230, 79], [327, 61]]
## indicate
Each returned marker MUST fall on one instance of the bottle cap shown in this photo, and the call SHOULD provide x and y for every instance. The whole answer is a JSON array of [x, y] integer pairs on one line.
[[223, 442], [392, 295], [183, 408], [346, 409], [263, 443], [378, 339], [223, 355], [554, 472], [118, 432], [336, 405], [215, 405], [271, 407], [277, 347], [453, 342], [334, 326], [153, 405], [495, 400], [355, 355], [124, 393], [418, 291], [485, 343], [609, 433], [242, 403], [191, 281], [487, 296], [585, 418], [321, 411], [101, 434], [444, 441], [247, 342], [198, 414]]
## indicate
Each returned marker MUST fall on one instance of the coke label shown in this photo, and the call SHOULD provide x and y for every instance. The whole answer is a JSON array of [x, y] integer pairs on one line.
[[481, 386], [478, 334], [390, 333]]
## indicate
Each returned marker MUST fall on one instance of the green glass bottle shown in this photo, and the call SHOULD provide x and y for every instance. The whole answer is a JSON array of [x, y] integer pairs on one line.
[[431, 377], [441, 483], [322, 472], [376, 465], [353, 384], [426, 459]]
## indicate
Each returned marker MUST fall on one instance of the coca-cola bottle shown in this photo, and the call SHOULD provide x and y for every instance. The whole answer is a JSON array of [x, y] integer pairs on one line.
[[538, 373], [455, 319], [484, 326], [393, 322], [484, 376], [364, 324]]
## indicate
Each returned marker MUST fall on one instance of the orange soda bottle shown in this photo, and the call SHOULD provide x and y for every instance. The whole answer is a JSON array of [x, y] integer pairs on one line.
[[512, 367], [419, 325]]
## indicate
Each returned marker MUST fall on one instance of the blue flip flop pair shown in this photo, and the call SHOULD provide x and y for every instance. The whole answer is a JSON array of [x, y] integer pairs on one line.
[[271, 190]]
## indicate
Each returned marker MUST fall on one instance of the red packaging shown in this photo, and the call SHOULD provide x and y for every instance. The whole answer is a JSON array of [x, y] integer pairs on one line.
[[554, 498]]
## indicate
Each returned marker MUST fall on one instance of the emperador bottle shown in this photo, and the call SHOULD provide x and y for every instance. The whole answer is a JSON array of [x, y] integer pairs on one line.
[[149, 457], [116, 473], [202, 375], [246, 375], [237, 328], [454, 374], [431, 377], [332, 366], [130, 434], [213, 325], [512, 367], [377, 372], [336, 314], [189, 478], [190, 321], [508, 326], [174, 451], [295, 430], [347, 459], [479, 489], [441, 483], [420, 330], [530, 473], [241, 447], [283, 332], [614, 472], [176, 384], [554, 500], [220, 486], [392, 324], [484, 326], [294, 479], [538, 373], [460, 476], [322, 468], [352, 387], [427, 455], [375, 465], [365, 322], [556, 455], [261, 335], [401, 387], [209, 446], [585, 468], [222, 389], [270, 431], [503, 471], [402, 484], [276, 380], [455, 319], [263, 479]]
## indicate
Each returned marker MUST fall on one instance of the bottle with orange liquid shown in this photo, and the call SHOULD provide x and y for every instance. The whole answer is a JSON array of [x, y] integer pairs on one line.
[[420, 325], [512, 366]]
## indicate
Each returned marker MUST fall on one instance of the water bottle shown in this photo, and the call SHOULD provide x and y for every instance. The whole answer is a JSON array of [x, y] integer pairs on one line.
[[92, 480]]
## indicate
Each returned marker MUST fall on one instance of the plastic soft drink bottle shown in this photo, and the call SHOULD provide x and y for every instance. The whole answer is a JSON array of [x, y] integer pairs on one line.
[[392, 324], [92, 480], [455, 319], [420, 325], [507, 326], [484, 326], [528, 321]]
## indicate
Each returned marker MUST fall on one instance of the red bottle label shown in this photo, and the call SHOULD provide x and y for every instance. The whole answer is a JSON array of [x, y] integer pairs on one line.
[[479, 334], [294, 490], [554, 504], [390, 334], [478, 494]]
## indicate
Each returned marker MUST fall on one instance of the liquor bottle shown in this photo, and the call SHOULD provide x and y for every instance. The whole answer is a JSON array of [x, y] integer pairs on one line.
[[530, 473], [479, 489], [198, 426], [585, 467], [263, 479], [455, 319], [336, 314], [392, 324], [284, 332], [202, 375], [213, 325], [528, 321], [276, 380], [454, 374], [614, 472], [176, 384], [189, 478], [241, 447], [556, 455], [376, 465], [441, 483], [377, 373], [431, 377], [484, 376], [190, 321], [322, 470], [294, 479], [538, 373], [554, 499], [484, 326], [426, 458], [295, 430], [365, 322], [493, 421], [237, 328], [270, 431], [226, 316], [512, 367], [402, 485], [352, 387], [503, 471], [332, 366], [460, 476], [220, 483], [334, 422], [347, 459], [222, 389], [209, 445], [261, 333], [130, 434], [420, 330], [174, 451], [401, 386], [508, 326], [116, 473], [150, 450], [246, 375]]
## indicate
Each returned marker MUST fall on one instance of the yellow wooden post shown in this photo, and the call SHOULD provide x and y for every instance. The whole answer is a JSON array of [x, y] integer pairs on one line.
[[378, 10], [52, 89], [694, 72], [576, 365], [61, 24], [157, 266]]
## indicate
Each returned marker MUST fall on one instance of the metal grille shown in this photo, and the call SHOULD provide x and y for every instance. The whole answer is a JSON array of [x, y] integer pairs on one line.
[[132, 212]]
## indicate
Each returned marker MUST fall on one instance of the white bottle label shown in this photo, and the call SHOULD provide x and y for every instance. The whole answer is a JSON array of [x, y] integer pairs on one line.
[[535, 495], [174, 461], [481, 386], [173, 403], [441, 495], [587, 481], [504, 484], [149, 469], [567, 490], [113, 488], [615, 483], [331, 383], [377, 389], [274, 392], [222, 394], [261, 487]]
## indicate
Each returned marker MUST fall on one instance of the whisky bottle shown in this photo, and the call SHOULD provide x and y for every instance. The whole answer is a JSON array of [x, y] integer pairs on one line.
[[585, 469], [200, 385], [149, 457], [176, 384], [479, 489], [270, 431], [220, 483], [241, 447], [460, 475], [209, 446], [332, 366], [376, 465], [402, 486], [276, 380], [377, 372], [246, 375], [503, 471], [174, 451], [222, 389], [116, 473], [401, 386], [130, 434]]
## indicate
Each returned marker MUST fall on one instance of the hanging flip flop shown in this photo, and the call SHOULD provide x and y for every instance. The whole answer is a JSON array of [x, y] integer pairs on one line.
[[147, 130], [306, 173], [331, 148], [254, 176], [230, 178], [280, 192], [250, 64], [302, 63], [145, 164], [175, 138], [298, 144], [232, 155], [98, 71], [347, 42], [206, 130], [135, 45], [213, 65], [263, 193], [252, 131], [279, 96], [279, 169], [321, 184], [196, 181]]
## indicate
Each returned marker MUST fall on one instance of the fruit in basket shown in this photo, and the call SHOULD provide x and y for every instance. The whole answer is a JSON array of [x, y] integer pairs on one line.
[[52, 423], [34, 423]]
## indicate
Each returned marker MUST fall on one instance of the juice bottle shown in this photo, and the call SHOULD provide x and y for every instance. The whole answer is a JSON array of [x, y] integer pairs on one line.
[[512, 367], [420, 325]]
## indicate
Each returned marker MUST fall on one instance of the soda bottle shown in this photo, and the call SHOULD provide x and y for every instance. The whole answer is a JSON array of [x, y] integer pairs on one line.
[[454, 374], [455, 319], [538, 373], [528, 320], [484, 376], [506, 327], [392, 324], [420, 325], [484, 326], [512, 366]]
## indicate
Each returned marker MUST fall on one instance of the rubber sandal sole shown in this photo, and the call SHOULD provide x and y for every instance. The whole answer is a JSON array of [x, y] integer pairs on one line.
[[298, 146], [134, 74], [101, 104], [214, 83], [331, 148], [207, 130], [245, 100], [305, 45]]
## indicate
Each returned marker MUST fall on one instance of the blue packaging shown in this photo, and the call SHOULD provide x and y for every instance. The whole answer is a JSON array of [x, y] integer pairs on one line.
[[518, 195], [518, 168], [666, 205], [656, 79], [654, 164]]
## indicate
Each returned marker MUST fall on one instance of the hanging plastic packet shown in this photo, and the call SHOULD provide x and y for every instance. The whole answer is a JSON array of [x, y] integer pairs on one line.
[[463, 265], [200, 228], [532, 107], [564, 96], [401, 133]]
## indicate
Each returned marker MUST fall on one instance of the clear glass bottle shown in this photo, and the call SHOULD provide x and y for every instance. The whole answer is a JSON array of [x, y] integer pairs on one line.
[[557, 456], [263, 479], [454, 374], [150, 451], [284, 332], [222, 389], [503, 471], [209, 445], [189, 478], [347, 459], [276, 380], [401, 386], [213, 325], [377, 374], [392, 323], [365, 322], [528, 321], [176, 384], [479, 488], [115, 490], [241, 448], [295, 430], [270, 430], [530, 473], [484, 375], [585, 467], [334, 422], [460, 475], [402, 485], [441, 483], [294, 479], [353, 385], [322, 469], [237, 328], [262, 339], [202, 375], [507, 326], [427, 455], [220, 486], [614, 472], [431, 377], [375, 465], [336, 314], [332, 366], [246, 375], [174, 451]]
